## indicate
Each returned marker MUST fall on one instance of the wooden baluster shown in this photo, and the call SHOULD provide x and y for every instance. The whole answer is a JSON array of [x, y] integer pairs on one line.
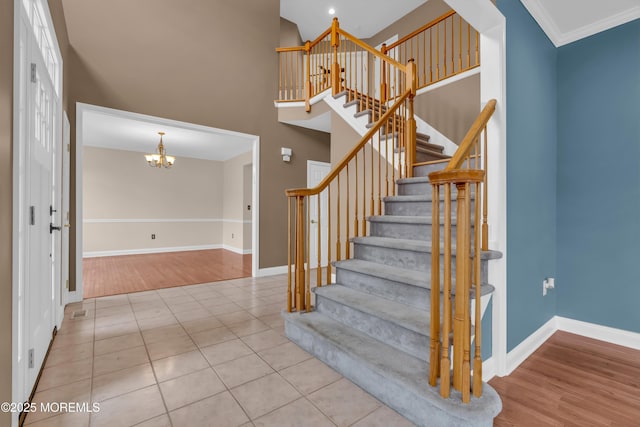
[[308, 260], [477, 48], [431, 55], [468, 45], [393, 159], [319, 272], [383, 77], [307, 77], [371, 202], [347, 243], [300, 254], [453, 46], [444, 46], [445, 362], [434, 371], [289, 296], [477, 360], [364, 191], [380, 135], [338, 243], [466, 256], [335, 69], [485, 203], [411, 123], [424, 59], [459, 43], [437, 53], [356, 229], [386, 158], [329, 234], [461, 277]]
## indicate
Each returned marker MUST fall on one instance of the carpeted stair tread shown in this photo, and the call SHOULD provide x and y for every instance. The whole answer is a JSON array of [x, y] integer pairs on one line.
[[400, 275], [395, 274], [413, 245], [418, 198], [410, 318], [367, 361]]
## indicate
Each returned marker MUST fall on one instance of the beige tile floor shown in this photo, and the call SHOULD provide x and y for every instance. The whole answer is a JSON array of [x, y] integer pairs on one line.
[[204, 355]]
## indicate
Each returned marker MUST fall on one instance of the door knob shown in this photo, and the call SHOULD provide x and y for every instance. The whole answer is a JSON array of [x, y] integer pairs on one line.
[[313, 221], [53, 227], [67, 225]]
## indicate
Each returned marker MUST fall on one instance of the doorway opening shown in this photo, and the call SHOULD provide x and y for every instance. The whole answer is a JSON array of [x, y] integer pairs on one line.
[[142, 228]]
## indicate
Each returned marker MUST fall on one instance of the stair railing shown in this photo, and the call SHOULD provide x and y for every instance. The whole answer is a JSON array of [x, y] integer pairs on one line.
[[467, 171], [353, 190], [442, 48]]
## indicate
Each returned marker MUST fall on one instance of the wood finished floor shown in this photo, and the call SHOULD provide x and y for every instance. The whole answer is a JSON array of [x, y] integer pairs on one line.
[[114, 275], [572, 381]]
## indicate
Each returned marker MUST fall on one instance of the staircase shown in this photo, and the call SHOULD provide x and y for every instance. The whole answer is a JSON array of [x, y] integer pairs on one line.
[[372, 324]]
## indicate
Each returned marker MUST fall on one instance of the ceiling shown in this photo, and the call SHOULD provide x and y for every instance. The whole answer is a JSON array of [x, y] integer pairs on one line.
[[362, 18], [120, 130], [564, 21]]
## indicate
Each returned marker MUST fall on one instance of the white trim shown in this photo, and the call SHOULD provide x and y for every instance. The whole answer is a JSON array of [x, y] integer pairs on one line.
[[95, 254], [488, 369], [557, 323], [239, 251], [73, 296], [272, 271], [297, 104], [559, 38], [599, 332], [81, 108], [527, 347], [161, 220], [448, 80]]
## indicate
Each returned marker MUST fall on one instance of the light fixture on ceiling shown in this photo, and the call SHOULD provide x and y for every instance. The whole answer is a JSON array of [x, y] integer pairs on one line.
[[160, 159], [332, 11]]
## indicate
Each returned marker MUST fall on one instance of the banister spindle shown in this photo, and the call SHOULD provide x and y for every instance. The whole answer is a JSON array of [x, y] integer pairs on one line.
[[477, 360], [289, 296], [300, 254], [445, 362], [434, 368], [307, 264]]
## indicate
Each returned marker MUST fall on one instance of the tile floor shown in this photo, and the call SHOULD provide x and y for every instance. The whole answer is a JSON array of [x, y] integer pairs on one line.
[[204, 355]]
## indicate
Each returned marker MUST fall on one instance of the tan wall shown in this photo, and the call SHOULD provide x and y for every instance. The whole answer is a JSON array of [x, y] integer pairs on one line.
[[118, 185], [450, 109], [203, 62], [234, 201], [6, 206]]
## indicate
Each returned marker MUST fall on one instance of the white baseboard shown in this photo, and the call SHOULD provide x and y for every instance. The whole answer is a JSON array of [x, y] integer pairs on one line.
[[272, 271], [599, 332], [93, 254], [488, 369], [526, 348], [237, 250], [557, 323]]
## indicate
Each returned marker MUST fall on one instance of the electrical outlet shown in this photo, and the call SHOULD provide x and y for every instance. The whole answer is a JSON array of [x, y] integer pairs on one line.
[[153, 237], [549, 283]]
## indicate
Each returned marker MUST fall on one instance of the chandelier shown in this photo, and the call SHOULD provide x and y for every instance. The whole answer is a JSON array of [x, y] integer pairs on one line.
[[160, 159]]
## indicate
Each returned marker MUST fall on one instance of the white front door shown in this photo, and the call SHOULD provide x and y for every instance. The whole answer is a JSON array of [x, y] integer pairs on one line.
[[316, 171], [40, 295]]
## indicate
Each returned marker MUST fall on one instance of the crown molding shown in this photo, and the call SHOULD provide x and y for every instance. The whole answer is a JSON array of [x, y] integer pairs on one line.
[[559, 38]]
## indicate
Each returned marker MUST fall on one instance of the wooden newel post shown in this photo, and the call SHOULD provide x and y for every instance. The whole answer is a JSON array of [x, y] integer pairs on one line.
[[307, 83], [383, 75], [300, 245], [336, 81], [411, 121]]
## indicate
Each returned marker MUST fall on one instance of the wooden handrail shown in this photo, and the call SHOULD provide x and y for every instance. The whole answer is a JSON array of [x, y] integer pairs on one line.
[[291, 49], [301, 192], [472, 135], [421, 29], [320, 37], [373, 51]]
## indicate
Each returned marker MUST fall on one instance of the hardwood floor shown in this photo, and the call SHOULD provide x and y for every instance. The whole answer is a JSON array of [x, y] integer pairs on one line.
[[572, 381], [133, 273]]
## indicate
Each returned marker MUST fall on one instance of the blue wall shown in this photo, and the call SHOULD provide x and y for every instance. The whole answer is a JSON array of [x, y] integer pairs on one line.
[[599, 178], [531, 172]]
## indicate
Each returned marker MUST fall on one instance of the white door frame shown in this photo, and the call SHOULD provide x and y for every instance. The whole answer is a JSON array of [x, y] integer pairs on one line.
[[82, 108], [323, 221], [65, 209], [20, 247], [485, 17]]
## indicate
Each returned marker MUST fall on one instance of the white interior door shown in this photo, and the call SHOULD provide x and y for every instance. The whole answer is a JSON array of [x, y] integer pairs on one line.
[[316, 171], [40, 295]]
